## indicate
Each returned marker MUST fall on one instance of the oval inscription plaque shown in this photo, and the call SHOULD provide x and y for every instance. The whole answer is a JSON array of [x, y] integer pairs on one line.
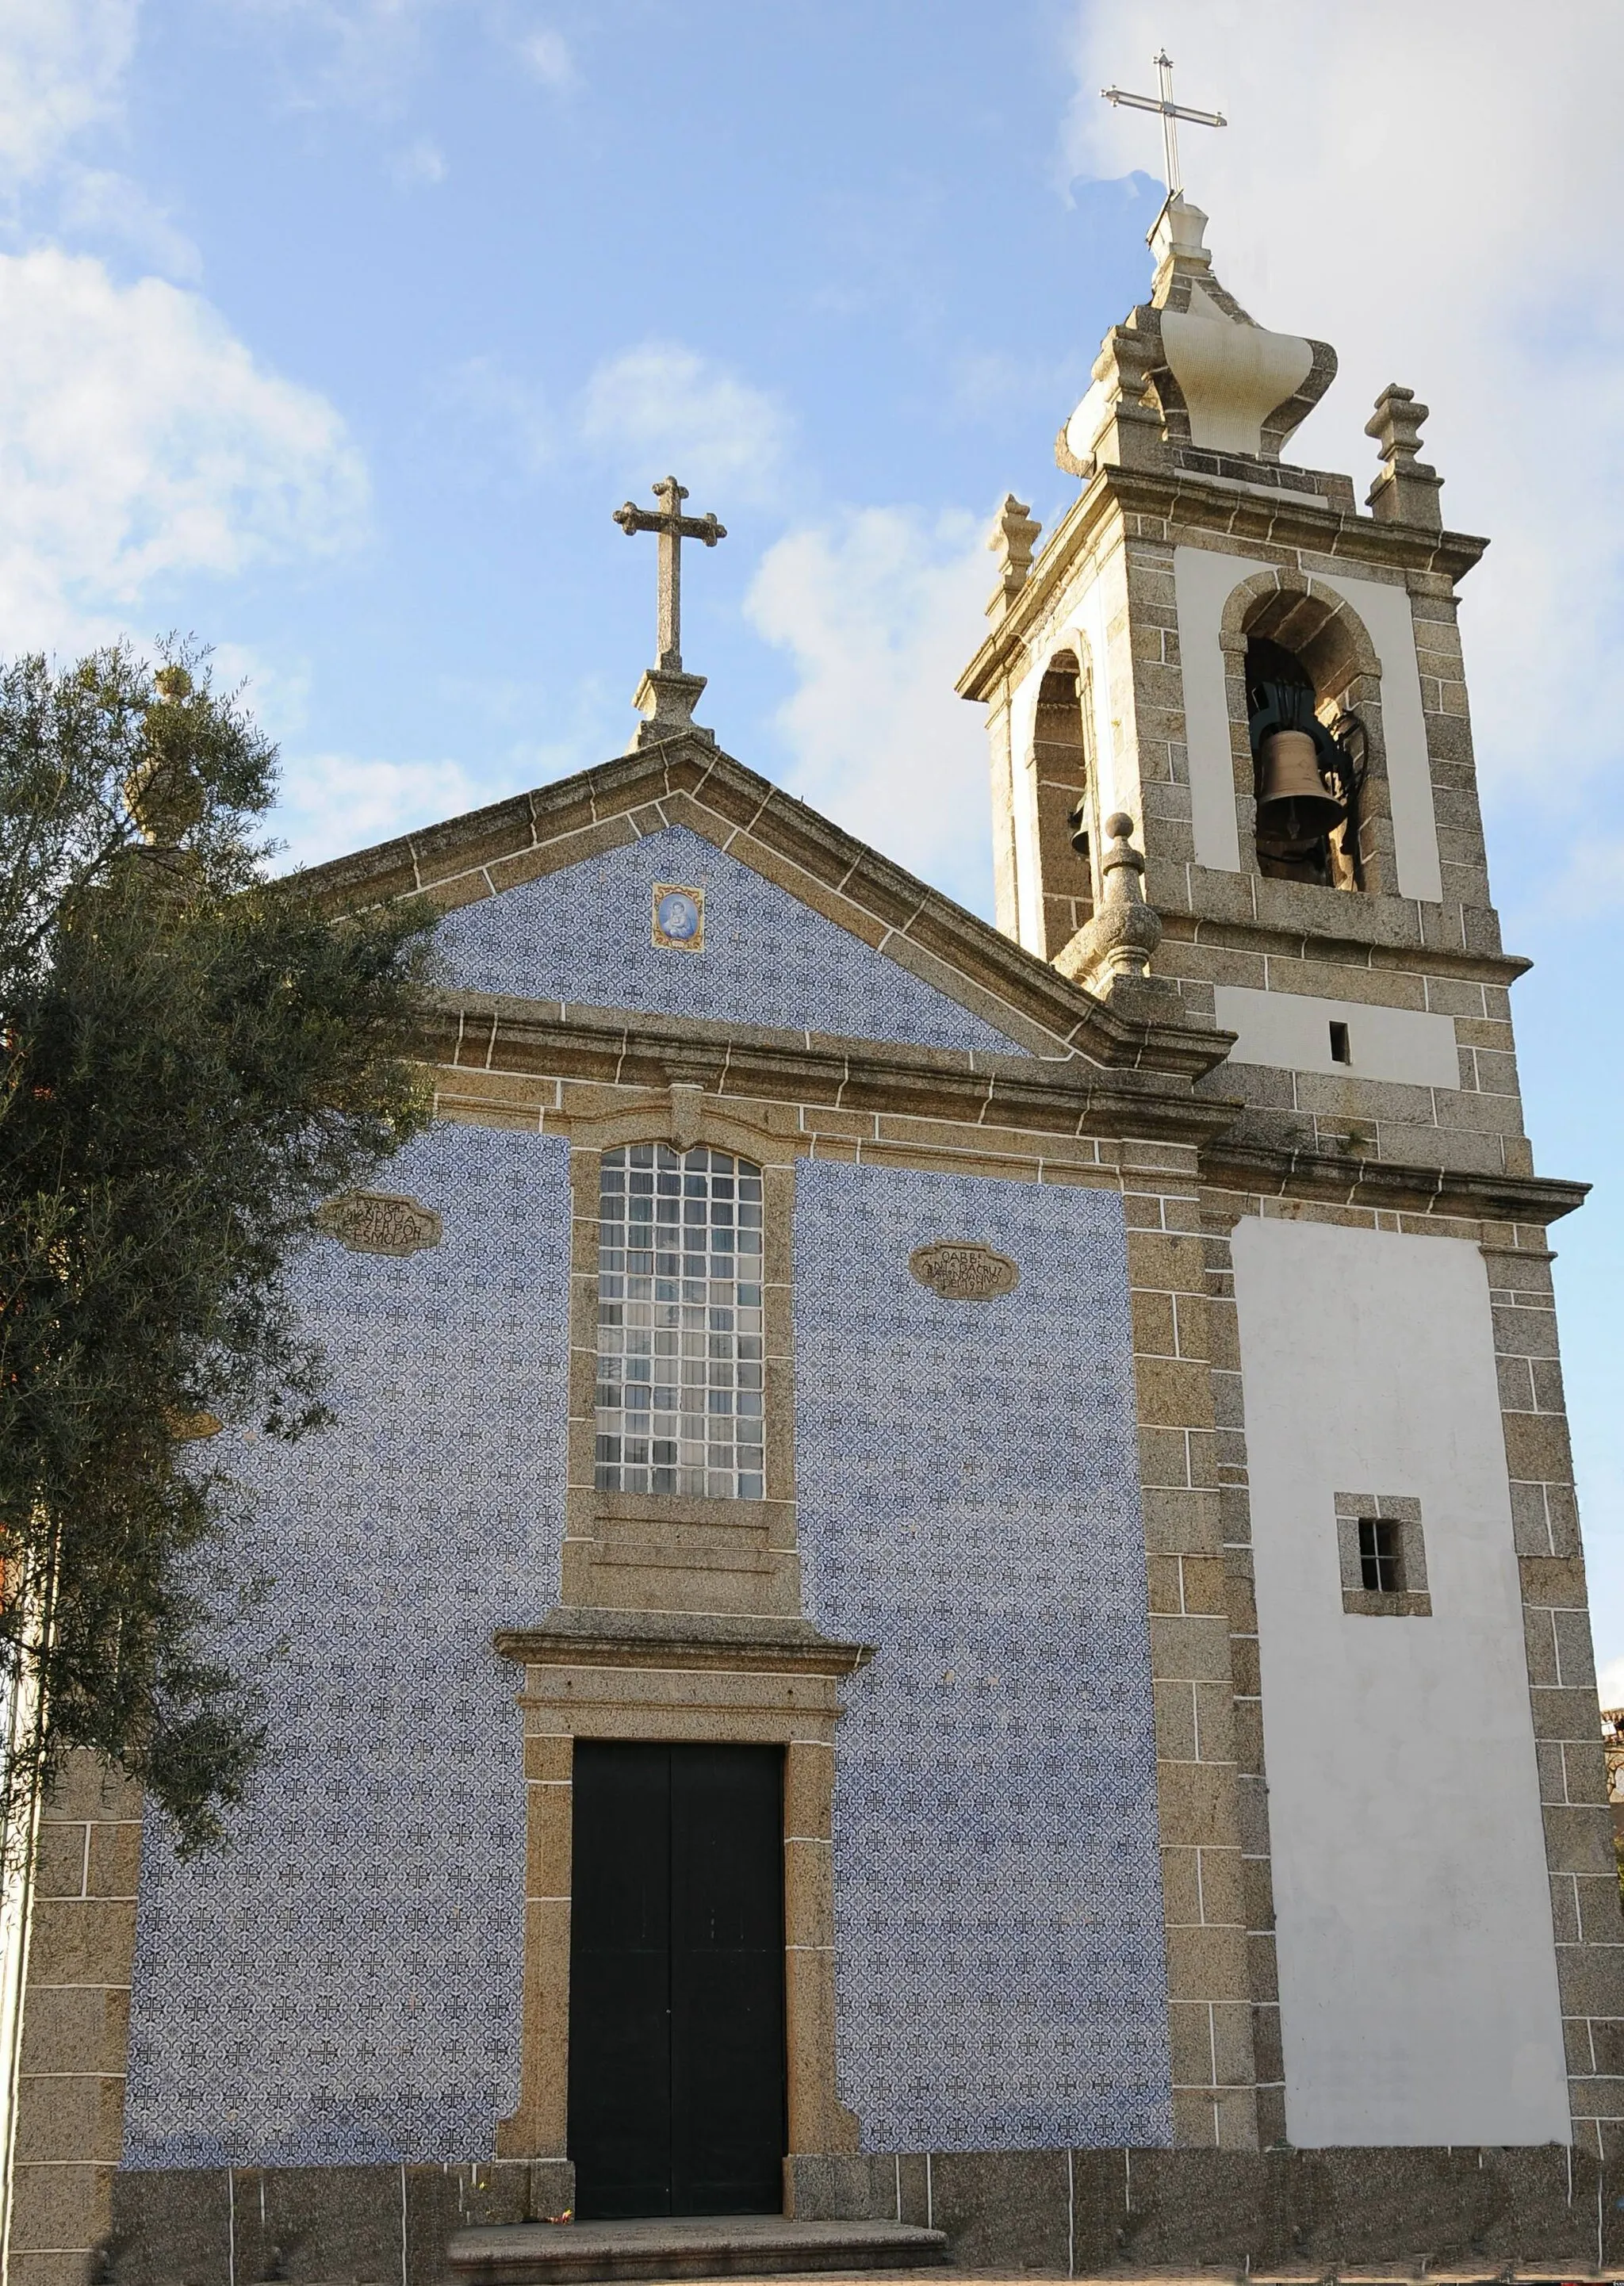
[[379, 1222], [964, 1270]]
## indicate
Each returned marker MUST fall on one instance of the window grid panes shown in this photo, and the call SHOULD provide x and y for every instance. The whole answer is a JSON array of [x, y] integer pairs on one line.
[[679, 1393], [1380, 1562]]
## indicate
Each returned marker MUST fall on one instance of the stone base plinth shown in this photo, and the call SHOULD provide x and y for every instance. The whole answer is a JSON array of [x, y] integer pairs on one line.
[[1302, 2217]]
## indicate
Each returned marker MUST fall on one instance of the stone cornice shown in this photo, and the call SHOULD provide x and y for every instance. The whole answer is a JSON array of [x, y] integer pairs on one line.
[[1136, 1096], [1287, 519], [1380, 946], [1337, 1178], [1019, 1095], [581, 1636]]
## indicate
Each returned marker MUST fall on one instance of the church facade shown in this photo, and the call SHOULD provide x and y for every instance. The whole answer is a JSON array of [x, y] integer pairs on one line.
[[946, 1584]]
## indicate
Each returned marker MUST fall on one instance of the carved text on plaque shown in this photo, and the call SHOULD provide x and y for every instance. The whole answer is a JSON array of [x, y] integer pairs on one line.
[[379, 1222], [964, 1270]]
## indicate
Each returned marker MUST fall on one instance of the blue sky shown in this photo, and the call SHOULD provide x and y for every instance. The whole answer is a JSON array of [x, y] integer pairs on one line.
[[333, 330]]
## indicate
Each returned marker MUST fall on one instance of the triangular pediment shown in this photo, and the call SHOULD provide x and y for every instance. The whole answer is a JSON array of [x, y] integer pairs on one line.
[[742, 950], [549, 898]]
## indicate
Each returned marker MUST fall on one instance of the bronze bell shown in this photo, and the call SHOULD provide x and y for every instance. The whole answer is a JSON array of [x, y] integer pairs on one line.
[[1295, 807]]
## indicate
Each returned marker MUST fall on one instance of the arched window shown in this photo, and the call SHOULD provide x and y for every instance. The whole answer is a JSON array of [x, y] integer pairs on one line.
[[679, 1393], [1065, 802], [1308, 755]]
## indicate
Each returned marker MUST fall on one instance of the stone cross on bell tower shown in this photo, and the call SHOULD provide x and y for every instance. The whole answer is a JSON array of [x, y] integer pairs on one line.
[[666, 696]]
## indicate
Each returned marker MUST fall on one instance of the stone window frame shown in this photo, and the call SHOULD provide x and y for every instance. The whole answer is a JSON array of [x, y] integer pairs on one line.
[[1413, 1600], [597, 1524], [672, 1302]]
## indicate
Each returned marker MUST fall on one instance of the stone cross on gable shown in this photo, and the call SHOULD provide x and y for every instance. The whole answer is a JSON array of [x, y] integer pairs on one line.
[[665, 695], [673, 528], [1170, 113]]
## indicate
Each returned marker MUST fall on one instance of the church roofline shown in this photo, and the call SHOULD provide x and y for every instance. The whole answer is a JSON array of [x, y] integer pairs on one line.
[[1235, 514], [687, 781]]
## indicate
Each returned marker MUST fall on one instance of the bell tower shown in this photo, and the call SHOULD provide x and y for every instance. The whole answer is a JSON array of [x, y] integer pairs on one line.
[[1222, 673], [1217, 643]]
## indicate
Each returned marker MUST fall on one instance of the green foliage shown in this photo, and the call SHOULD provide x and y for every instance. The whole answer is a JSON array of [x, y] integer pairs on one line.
[[194, 1056]]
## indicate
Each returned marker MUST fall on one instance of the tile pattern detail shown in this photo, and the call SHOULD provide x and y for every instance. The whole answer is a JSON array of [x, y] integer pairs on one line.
[[583, 935], [344, 1984], [968, 1502]]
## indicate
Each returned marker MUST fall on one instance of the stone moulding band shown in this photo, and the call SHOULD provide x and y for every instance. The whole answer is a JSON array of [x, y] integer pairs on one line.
[[1147, 1092], [1396, 1183], [578, 1636]]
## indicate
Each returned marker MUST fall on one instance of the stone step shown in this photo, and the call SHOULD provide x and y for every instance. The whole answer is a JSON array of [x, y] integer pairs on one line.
[[684, 2246]]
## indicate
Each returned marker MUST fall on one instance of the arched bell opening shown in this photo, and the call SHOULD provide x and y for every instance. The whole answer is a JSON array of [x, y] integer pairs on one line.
[[1304, 669], [1068, 829]]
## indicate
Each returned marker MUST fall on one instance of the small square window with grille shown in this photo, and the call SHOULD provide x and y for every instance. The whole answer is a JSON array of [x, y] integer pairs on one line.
[[1381, 1556], [680, 1365]]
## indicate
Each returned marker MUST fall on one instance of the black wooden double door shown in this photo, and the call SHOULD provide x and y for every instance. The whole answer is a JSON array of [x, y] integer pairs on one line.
[[676, 1980]]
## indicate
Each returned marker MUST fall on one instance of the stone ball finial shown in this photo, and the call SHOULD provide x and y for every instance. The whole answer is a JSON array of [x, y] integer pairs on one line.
[[1122, 857], [1124, 931], [165, 794]]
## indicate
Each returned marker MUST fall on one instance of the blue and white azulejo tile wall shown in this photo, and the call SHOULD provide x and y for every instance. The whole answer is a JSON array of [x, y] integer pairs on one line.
[[968, 1502], [344, 1984], [583, 935]]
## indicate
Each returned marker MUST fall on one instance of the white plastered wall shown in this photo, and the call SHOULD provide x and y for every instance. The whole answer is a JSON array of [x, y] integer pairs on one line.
[[1204, 579], [1417, 1967], [1292, 1032]]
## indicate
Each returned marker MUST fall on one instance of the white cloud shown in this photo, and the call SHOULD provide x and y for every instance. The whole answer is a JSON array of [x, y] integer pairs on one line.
[[95, 203], [880, 612], [275, 691], [140, 441], [1586, 883], [487, 398], [362, 54], [419, 166], [62, 64], [1610, 1684], [661, 408], [333, 803], [548, 55], [1447, 226]]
